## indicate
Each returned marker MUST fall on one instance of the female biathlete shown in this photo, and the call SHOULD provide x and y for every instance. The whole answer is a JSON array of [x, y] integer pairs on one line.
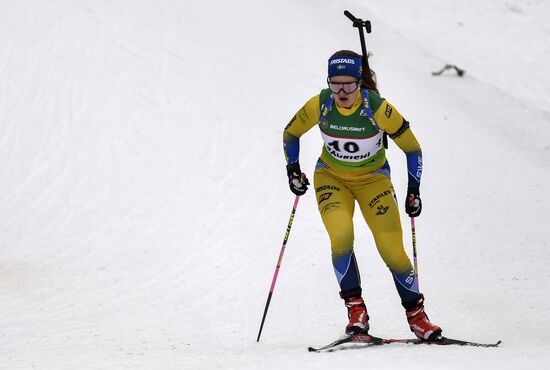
[[354, 121]]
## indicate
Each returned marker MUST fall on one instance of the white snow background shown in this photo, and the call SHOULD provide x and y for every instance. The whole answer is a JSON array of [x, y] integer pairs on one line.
[[144, 199]]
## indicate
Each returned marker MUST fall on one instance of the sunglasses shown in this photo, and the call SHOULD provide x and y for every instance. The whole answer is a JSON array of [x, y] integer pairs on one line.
[[347, 87]]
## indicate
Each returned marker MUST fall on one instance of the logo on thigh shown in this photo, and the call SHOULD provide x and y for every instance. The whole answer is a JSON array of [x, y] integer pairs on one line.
[[330, 206], [324, 197], [374, 201], [382, 210], [327, 187]]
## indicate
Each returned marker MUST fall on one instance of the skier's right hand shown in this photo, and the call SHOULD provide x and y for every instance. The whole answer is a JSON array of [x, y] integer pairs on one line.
[[297, 180]]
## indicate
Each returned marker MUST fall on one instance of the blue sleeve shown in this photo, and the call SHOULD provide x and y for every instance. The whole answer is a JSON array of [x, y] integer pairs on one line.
[[291, 146], [414, 167]]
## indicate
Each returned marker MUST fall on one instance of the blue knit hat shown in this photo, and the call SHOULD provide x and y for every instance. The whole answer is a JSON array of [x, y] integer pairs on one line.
[[345, 66]]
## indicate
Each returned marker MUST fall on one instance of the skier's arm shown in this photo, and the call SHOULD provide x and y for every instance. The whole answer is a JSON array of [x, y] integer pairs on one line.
[[392, 122], [303, 121]]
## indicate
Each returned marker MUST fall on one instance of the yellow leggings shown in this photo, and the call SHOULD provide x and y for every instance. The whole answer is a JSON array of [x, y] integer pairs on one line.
[[374, 193]]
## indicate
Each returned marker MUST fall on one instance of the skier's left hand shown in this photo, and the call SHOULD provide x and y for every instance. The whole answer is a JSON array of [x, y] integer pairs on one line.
[[413, 203]]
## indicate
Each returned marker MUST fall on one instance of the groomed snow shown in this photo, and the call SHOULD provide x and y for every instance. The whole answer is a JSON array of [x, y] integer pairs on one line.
[[143, 196]]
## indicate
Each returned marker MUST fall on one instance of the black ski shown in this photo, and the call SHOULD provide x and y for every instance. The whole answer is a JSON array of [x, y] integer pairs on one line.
[[443, 341], [366, 340]]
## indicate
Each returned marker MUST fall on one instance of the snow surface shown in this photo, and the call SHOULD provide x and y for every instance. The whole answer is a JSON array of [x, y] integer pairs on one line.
[[143, 197]]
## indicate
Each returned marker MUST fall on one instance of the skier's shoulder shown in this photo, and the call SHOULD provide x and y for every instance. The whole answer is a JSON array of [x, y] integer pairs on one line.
[[375, 100], [324, 95], [306, 117]]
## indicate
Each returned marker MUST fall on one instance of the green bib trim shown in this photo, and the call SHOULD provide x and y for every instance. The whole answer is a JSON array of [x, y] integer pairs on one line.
[[354, 141]]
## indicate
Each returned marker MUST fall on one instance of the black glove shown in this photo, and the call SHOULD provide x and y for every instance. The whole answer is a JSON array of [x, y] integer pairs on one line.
[[297, 180], [413, 203]]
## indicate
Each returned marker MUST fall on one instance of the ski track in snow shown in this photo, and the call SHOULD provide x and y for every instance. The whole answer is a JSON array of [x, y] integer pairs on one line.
[[143, 197]]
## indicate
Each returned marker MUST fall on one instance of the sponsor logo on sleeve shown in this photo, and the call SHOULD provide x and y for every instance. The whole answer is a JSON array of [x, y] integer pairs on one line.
[[291, 122], [389, 111]]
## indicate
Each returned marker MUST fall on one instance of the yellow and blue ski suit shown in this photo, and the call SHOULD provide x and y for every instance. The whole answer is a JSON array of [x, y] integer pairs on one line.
[[353, 168]]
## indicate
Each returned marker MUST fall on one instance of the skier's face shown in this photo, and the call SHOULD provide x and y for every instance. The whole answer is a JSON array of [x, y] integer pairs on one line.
[[344, 89]]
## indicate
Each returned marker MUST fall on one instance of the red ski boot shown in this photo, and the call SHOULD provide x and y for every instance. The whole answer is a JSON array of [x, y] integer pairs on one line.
[[358, 317], [418, 321]]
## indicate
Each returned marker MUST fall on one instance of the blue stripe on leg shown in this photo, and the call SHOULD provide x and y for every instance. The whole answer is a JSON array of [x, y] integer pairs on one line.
[[407, 285], [347, 273]]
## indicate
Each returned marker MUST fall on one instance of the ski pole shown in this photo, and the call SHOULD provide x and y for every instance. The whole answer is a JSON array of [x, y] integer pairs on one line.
[[413, 230], [278, 264], [359, 23]]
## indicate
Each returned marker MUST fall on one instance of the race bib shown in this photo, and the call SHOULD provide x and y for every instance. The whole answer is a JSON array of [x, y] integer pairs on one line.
[[353, 149]]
